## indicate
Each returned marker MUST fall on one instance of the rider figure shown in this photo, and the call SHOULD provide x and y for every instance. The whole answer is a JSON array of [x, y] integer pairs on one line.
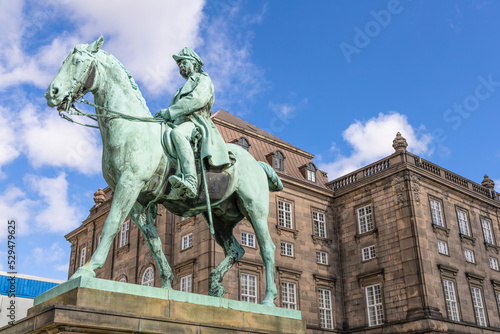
[[189, 111]]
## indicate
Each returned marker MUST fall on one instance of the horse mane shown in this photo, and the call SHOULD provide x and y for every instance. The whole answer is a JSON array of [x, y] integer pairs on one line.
[[131, 80]]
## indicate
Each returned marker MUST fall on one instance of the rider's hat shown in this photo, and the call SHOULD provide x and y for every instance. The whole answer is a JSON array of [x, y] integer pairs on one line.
[[188, 53]]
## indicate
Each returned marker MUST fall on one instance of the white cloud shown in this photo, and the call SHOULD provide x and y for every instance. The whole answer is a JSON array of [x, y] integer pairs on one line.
[[62, 267], [44, 256], [142, 36], [15, 205], [50, 141], [9, 148], [57, 214], [281, 109], [497, 185], [372, 140]]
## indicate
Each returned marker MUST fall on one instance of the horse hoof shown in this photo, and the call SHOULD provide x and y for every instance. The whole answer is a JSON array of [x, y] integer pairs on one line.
[[268, 303], [82, 272], [216, 290]]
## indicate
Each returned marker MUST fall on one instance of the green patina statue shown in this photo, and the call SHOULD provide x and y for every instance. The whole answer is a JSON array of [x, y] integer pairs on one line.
[[189, 111], [137, 166]]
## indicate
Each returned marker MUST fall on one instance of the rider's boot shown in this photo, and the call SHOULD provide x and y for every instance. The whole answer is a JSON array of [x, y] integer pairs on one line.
[[189, 179]]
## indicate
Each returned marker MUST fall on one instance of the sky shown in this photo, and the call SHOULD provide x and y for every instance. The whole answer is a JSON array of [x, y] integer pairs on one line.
[[337, 79]]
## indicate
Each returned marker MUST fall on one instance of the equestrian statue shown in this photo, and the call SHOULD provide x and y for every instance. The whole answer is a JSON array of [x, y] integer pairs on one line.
[[176, 158]]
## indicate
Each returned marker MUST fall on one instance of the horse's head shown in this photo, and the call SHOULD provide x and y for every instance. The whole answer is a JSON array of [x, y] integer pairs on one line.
[[76, 76]]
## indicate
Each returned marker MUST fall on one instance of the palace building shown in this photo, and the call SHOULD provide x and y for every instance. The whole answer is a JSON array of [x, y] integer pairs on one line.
[[399, 246]]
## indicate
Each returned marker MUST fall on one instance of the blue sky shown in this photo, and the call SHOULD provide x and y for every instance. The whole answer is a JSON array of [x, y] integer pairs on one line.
[[335, 78]]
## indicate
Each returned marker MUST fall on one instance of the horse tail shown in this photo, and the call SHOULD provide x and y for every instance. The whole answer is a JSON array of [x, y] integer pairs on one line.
[[272, 178]]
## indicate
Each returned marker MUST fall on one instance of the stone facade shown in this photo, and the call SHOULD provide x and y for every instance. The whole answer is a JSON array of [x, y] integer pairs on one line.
[[377, 256]]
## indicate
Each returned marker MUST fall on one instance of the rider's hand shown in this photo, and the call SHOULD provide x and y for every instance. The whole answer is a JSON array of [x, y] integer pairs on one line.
[[163, 114]]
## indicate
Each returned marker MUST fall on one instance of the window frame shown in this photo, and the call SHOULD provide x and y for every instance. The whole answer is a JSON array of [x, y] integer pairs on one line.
[[83, 256], [151, 281], [471, 258], [285, 250], [359, 219], [451, 303], [446, 247], [124, 234], [377, 307], [246, 241], [286, 302], [482, 307], [189, 244], [183, 286], [245, 289], [319, 259], [324, 310], [464, 226], [311, 172], [319, 226], [279, 160], [282, 214], [370, 255], [494, 265], [489, 231], [243, 142], [440, 211]]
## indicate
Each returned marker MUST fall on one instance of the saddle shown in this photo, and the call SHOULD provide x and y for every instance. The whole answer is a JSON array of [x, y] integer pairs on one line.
[[217, 181]]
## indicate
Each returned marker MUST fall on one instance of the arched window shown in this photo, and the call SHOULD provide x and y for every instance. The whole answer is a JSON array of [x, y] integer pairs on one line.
[[123, 279], [279, 161], [148, 278], [243, 142], [311, 172]]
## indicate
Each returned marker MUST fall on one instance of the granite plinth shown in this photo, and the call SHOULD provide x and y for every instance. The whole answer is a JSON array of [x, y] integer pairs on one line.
[[89, 305]]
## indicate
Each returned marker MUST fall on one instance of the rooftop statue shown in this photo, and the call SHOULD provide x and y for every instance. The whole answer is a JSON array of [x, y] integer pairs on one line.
[[144, 173]]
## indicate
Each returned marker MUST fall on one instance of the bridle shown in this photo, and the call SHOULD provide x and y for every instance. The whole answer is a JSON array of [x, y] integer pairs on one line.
[[81, 87]]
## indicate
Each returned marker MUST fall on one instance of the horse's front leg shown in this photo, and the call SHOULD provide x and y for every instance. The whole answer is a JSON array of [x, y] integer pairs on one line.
[[145, 222], [126, 193]]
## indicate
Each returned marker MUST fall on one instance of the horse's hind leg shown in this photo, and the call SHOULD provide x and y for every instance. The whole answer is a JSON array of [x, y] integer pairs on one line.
[[232, 252], [144, 219]]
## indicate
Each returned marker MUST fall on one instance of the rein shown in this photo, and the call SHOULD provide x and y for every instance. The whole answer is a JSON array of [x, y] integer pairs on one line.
[[95, 117], [87, 73]]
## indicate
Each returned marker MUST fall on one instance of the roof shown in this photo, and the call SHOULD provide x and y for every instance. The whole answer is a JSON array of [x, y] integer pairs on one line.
[[26, 286], [264, 144]]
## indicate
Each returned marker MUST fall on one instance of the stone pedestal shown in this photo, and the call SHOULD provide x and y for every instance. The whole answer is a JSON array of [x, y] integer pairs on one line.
[[88, 305]]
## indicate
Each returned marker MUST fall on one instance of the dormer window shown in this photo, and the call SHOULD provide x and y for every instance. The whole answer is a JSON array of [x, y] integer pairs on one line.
[[243, 142], [311, 172], [279, 161]]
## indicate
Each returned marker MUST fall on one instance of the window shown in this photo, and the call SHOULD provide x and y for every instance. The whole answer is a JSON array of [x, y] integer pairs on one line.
[[443, 247], [148, 278], [247, 239], [469, 256], [319, 224], [123, 280], [368, 253], [249, 288], [82, 256], [285, 214], [124, 233], [374, 305], [325, 309], [279, 161], [286, 248], [450, 297], [494, 263], [477, 300], [437, 212], [321, 257], [243, 142], [498, 301], [365, 219], [187, 241], [311, 172], [289, 299], [463, 222], [487, 231], [186, 283]]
